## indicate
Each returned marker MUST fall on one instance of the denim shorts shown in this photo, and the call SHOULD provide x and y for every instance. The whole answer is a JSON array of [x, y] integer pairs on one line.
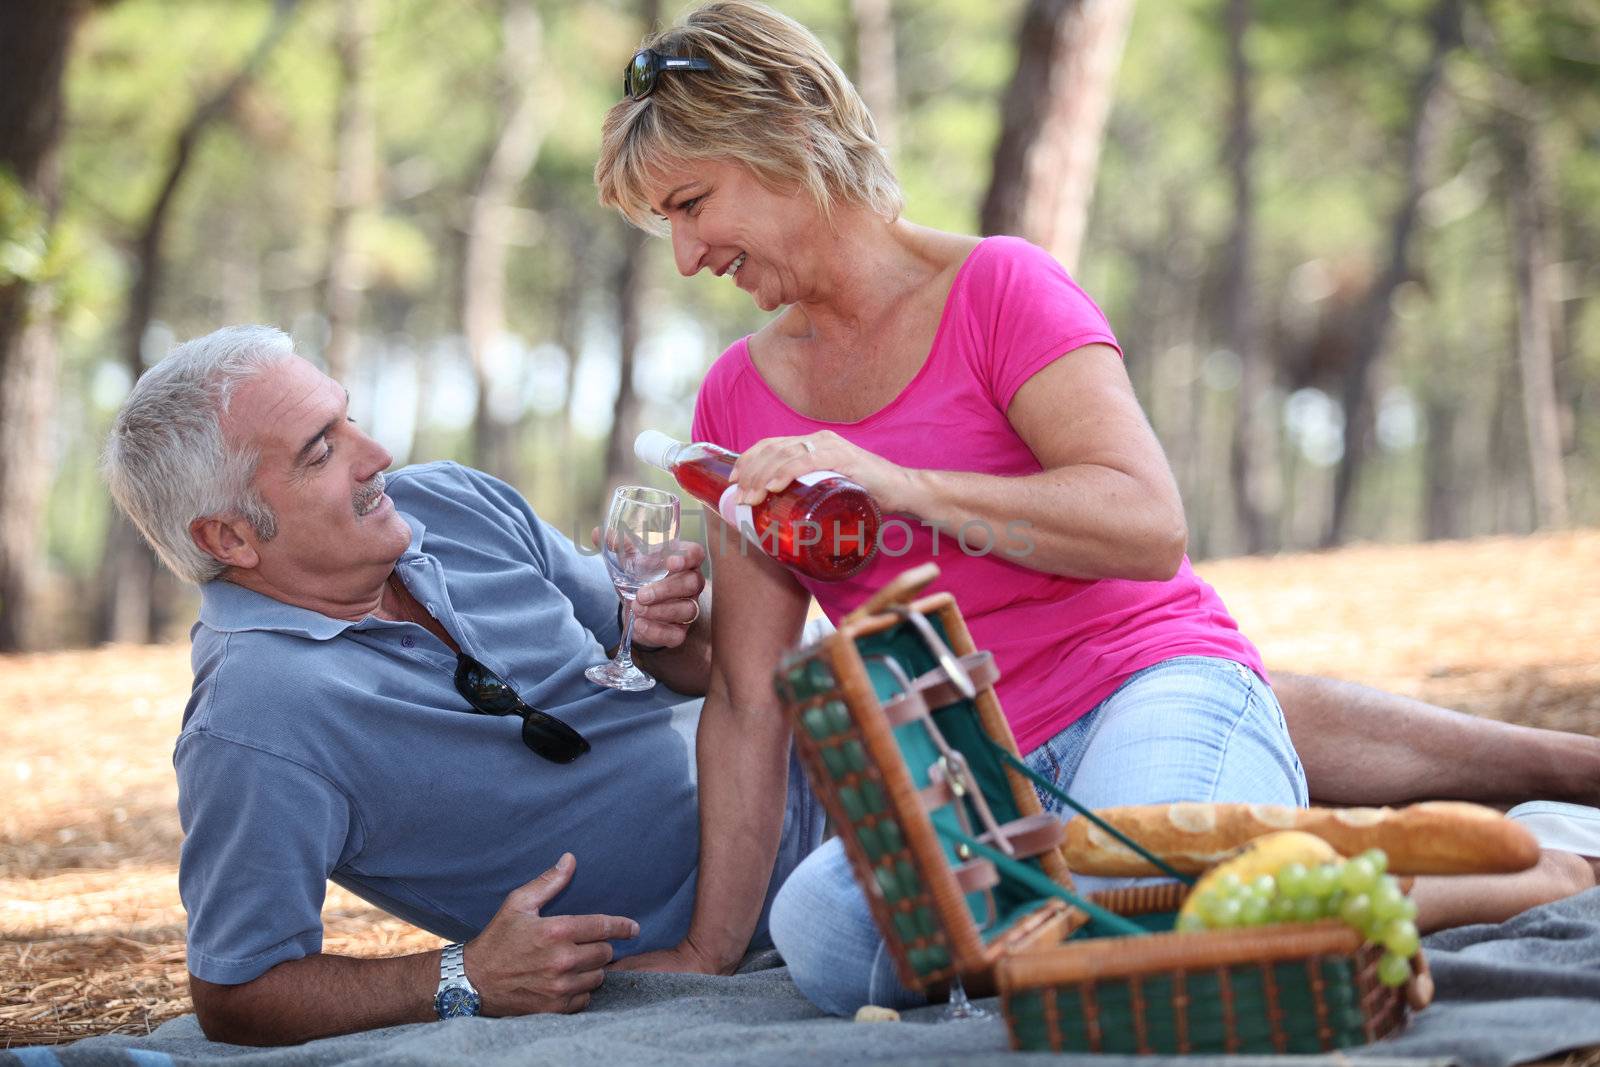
[[1188, 728]]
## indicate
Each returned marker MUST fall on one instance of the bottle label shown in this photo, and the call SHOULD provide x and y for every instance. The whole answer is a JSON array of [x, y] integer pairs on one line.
[[741, 518], [737, 515]]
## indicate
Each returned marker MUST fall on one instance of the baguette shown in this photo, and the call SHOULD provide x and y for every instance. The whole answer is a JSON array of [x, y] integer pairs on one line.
[[1436, 837]]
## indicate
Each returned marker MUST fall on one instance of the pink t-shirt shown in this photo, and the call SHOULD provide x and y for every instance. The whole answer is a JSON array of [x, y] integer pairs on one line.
[[1062, 644]]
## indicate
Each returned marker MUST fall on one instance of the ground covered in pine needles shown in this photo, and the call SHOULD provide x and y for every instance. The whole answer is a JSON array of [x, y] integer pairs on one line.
[[91, 929]]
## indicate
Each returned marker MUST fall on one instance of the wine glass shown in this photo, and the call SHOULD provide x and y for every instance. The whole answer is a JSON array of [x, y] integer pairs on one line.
[[960, 1006], [640, 533]]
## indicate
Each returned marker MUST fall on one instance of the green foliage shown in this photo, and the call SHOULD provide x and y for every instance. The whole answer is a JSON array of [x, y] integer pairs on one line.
[[24, 233]]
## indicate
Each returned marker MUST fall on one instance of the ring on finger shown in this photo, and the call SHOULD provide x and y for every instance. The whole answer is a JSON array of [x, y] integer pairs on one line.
[[696, 616]]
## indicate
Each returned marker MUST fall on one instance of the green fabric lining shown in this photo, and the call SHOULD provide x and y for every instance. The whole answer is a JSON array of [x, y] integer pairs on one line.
[[961, 727]]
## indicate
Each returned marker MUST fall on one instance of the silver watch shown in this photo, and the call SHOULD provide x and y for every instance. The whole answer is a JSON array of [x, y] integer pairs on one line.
[[455, 997]]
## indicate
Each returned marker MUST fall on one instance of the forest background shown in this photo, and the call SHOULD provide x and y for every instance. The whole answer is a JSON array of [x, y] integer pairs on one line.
[[1352, 250]]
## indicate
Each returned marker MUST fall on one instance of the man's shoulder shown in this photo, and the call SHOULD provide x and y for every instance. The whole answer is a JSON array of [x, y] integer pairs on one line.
[[443, 493], [244, 677], [442, 476]]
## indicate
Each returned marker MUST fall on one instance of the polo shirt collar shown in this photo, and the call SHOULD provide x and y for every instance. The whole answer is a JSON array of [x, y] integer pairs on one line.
[[229, 608]]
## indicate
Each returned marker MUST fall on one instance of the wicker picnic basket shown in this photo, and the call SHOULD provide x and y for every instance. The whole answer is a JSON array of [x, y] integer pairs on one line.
[[899, 729]]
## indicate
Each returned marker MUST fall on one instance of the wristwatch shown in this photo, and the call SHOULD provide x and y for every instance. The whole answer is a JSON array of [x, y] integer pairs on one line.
[[455, 997]]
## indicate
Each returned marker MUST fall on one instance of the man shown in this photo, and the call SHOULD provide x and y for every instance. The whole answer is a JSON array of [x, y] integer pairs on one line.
[[349, 624], [369, 655]]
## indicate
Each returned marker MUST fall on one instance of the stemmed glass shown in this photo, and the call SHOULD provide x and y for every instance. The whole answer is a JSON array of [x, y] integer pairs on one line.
[[961, 1006], [640, 531]]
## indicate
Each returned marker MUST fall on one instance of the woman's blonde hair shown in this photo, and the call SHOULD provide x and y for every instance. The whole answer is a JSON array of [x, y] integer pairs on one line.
[[773, 101]]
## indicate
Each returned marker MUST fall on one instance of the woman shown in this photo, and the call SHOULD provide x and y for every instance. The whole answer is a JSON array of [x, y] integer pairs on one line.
[[969, 385]]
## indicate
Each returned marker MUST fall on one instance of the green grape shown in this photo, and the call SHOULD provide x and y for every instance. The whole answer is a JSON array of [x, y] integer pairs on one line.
[[1307, 910], [1387, 900], [1334, 902], [1378, 858], [1356, 910], [1322, 880], [1292, 879], [1223, 912], [1264, 885], [1393, 970], [1227, 883], [1283, 908], [1255, 910], [1359, 875], [1190, 923], [1408, 909], [1400, 937]]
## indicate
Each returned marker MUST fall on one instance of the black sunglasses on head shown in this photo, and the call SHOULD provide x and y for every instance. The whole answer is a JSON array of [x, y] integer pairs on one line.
[[643, 72], [489, 694]]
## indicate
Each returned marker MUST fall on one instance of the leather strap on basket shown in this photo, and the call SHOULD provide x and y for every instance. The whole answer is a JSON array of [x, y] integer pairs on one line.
[[941, 651], [976, 876], [935, 689], [1031, 835], [937, 792], [950, 779]]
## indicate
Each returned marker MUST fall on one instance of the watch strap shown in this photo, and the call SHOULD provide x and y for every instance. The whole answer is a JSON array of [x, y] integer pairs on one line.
[[453, 964], [453, 976]]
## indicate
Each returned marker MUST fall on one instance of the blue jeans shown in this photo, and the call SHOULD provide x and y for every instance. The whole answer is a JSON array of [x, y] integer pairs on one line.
[[1189, 728]]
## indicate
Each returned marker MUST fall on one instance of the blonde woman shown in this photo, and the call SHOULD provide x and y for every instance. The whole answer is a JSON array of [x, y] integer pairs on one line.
[[970, 386]]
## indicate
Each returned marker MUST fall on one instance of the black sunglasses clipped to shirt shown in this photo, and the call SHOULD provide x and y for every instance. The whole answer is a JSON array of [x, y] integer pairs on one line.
[[489, 694]]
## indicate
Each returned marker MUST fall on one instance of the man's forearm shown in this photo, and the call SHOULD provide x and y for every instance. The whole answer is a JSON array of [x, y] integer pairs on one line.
[[319, 996]]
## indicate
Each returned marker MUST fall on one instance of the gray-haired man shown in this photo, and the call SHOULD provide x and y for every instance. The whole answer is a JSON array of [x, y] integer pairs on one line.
[[389, 693]]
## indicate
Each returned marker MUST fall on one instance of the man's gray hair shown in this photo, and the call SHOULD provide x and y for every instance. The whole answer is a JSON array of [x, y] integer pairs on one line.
[[167, 462]]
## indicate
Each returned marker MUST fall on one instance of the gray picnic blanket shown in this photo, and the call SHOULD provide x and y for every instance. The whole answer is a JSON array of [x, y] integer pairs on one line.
[[1519, 991]]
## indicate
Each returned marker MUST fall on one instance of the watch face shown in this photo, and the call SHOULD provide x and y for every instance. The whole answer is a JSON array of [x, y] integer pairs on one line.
[[454, 1002]]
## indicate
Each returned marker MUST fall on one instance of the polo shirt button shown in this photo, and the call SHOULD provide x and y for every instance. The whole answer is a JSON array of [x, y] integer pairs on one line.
[[408, 641]]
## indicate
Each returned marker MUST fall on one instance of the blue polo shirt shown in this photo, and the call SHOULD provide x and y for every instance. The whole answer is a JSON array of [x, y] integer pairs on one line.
[[317, 749]]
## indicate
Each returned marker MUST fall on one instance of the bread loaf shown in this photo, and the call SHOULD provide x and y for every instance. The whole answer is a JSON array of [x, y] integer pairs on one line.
[[1437, 837]]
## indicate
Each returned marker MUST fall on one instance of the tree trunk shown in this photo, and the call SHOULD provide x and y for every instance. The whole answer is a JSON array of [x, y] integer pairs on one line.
[[1377, 314], [1049, 146], [492, 218], [1251, 454], [34, 43], [1526, 192], [876, 68], [344, 281], [1443, 505], [630, 284], [569, 338], [128, 567]]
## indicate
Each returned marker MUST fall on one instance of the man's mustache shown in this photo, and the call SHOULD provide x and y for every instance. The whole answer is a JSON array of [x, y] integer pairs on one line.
[[369, 491]]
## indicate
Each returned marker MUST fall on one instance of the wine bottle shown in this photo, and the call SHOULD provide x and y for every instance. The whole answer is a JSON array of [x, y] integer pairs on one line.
[[823, 525]]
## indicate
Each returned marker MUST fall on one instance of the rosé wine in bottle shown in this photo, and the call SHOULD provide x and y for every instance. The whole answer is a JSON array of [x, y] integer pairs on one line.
[[823, 525]]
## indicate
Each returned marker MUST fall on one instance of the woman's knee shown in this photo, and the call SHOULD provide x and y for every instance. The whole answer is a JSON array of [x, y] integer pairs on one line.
[[817, 927], [824, 930], [1191, 728]]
